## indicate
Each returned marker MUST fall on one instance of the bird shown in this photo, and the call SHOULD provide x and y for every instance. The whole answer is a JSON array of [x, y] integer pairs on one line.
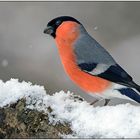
[[88, 64]]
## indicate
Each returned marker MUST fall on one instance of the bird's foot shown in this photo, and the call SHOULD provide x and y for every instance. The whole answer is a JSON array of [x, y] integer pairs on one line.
[[92, 103], [106, 102]]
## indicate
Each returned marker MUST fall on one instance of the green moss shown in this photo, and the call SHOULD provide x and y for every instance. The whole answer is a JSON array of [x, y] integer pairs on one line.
[[19, 122]]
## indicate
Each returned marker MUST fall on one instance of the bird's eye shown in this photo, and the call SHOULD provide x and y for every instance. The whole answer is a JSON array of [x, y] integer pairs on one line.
[[58, 22]]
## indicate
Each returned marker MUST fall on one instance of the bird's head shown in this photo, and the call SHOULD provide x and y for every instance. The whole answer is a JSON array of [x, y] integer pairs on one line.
[[66, 23]]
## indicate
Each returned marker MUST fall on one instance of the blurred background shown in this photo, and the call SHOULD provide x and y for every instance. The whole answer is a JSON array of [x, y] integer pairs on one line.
[[28, 54]]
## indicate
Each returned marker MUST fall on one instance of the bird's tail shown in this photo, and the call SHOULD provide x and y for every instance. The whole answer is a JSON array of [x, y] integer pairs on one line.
[[137, 87], [132, 94], [134, 85]]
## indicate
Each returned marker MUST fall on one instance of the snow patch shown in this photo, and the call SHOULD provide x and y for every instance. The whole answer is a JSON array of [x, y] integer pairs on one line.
[[86, 121], [13, 90]]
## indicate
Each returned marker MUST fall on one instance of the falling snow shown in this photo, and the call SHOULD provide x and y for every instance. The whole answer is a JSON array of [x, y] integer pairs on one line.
[[4, 63]]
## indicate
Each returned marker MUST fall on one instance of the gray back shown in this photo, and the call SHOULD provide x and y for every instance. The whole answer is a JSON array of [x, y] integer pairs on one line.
[[88, 50]]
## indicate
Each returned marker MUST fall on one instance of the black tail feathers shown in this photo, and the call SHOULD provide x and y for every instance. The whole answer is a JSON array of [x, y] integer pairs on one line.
[[135, 86], [132, 94]]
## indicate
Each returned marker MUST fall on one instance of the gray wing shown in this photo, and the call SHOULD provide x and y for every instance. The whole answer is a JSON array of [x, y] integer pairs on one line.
[[89, 50]]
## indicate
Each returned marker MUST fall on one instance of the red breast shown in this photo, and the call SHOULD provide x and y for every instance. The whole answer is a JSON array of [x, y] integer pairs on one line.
[[66, 35]]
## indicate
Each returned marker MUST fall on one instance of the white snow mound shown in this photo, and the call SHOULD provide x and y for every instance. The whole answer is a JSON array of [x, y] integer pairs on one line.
[[86, 121]]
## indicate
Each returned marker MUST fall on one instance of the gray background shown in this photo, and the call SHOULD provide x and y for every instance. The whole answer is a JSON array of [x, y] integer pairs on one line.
[[28, 54]]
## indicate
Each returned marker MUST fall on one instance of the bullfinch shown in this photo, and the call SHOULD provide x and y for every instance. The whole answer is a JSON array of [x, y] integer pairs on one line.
[[88, 64]]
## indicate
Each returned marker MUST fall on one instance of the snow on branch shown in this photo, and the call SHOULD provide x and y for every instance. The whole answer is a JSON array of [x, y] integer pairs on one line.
[[85, 121]]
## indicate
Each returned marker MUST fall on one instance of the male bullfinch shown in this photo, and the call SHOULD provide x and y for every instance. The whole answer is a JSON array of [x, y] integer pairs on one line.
[[88, 64]]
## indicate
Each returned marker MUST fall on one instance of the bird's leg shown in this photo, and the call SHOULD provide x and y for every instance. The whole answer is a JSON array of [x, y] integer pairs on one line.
[[92, 103], [106, 102]]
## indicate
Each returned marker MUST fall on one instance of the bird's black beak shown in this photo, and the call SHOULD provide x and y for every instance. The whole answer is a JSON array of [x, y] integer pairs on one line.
[[49, 30]]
